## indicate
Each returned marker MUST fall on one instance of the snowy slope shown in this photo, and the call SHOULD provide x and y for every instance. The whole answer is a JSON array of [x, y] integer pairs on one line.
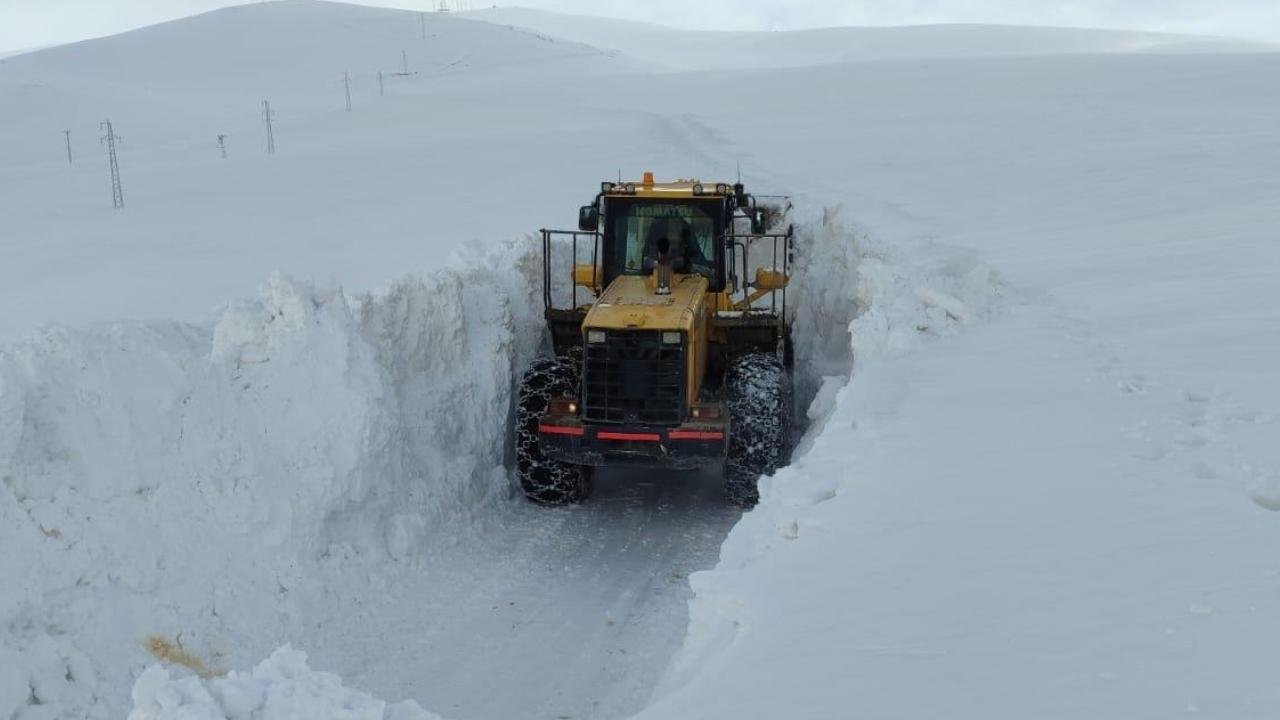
[[186, 79], [1044, 490], [414, 160], [691, 49]]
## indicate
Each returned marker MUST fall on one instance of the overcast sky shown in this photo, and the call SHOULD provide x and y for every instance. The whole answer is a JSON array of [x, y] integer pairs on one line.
[[35, 23]]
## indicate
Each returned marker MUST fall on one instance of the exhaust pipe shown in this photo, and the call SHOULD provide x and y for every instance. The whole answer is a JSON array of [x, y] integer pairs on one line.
[[663, 268]]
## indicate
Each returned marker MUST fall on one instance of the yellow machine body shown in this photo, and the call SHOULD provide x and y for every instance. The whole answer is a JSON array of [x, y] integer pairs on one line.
[[716, 319], [630, 303]]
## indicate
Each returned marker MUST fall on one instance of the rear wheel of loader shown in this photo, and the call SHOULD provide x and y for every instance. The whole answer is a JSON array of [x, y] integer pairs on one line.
[[758, 395], [543, 480]]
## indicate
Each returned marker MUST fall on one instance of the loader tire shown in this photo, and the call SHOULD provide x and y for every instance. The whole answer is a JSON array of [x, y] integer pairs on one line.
[[543, 480], [758, 397]]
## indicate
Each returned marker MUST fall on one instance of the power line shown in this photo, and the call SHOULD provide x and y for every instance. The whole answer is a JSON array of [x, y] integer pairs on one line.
[[267, 117], [117, 191]]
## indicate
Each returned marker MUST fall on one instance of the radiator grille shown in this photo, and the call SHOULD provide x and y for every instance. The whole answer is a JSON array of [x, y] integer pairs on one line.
[[633, 377]]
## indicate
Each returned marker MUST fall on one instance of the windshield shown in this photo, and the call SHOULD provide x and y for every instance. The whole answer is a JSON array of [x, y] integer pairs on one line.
[[688, 227]]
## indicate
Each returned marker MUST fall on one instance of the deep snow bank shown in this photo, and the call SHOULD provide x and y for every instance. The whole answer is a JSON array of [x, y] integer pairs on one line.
[[858, 297], [188, 481]]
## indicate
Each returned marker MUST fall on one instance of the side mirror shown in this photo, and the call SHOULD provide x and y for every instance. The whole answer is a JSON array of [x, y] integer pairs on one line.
[[770, 280], [588, 218], [757, 222]]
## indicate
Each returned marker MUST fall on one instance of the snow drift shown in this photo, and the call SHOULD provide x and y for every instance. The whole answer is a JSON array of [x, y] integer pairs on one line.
[[188, 481]]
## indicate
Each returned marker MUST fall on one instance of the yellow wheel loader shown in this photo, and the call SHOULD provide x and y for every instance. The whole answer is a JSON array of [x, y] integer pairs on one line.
[[669, 340]]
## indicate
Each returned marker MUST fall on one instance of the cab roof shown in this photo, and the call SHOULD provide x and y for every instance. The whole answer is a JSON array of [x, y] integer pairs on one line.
[[646, 187]]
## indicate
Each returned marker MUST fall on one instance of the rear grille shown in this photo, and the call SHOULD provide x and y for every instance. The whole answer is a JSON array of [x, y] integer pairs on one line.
[[633, 378]]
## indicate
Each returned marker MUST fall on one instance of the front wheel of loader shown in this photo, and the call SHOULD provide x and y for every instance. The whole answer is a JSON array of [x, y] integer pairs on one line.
[[758, 396], [543, 480]]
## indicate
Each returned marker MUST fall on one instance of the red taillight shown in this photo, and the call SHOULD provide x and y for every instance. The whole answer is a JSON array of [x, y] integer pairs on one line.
[[643, 437], [561, 430], [695, 435]]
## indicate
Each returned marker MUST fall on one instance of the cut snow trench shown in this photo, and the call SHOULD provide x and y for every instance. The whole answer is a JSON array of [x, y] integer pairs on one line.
[[290, 469]]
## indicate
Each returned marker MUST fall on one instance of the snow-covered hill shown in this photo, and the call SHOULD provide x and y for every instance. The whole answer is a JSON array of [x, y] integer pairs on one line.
[[1042, 463], [357, 197], [186, 79], [679, 50]]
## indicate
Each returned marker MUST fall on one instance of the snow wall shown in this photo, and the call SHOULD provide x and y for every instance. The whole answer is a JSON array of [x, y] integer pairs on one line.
[[187, 483]]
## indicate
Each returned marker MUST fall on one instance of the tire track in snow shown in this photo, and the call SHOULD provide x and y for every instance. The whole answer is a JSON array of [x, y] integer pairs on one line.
[[549, 612]]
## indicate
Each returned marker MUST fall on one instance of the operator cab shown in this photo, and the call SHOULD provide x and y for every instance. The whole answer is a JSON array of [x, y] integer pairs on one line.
[[635, 227], [633, 219]]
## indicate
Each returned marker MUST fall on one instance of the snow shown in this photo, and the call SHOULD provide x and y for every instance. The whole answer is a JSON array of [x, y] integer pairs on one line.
[[1048, 514], [958, 556], [684, 50], [1034, 311], [279, 688], [199, 231], [188, 481]]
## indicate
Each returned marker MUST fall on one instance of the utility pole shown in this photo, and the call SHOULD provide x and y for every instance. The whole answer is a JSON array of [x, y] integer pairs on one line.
[[117, 191], [422, 17], [267, 117], [381, 90], [346, 83], [222, 146], [68, 134], [404, 63]]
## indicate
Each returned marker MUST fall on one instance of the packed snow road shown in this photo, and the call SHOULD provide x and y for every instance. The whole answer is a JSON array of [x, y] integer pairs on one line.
[[540, 612]]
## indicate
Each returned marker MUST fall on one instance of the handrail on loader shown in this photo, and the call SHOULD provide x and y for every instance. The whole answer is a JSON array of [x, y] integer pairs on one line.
[[574, 235], [770, 279]]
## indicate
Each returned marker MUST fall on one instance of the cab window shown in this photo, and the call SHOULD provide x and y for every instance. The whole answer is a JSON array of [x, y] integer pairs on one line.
[[689, 228]]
